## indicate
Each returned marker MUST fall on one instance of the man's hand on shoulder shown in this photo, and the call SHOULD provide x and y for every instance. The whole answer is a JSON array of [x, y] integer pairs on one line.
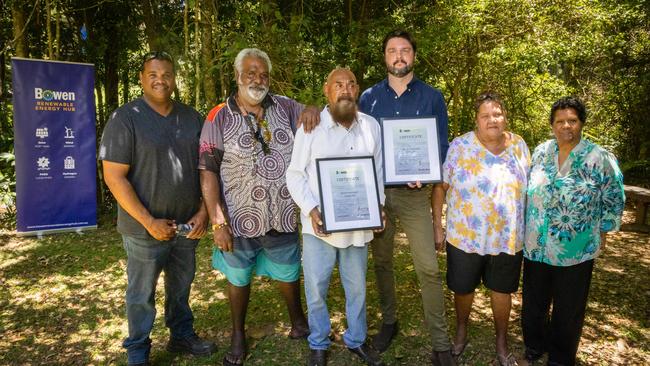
[[309, 118], [161, 229]]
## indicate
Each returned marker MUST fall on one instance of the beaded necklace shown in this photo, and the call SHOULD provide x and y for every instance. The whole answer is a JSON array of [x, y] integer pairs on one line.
[[259, 127]]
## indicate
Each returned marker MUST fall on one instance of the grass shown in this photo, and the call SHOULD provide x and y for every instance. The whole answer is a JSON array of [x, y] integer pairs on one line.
[[62, 302]]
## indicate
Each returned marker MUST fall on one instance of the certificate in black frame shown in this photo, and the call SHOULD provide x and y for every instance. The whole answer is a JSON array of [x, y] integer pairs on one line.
[[346, 169], [396, 172]]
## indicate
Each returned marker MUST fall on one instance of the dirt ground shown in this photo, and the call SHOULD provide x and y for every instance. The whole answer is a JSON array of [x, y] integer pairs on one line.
[[62, 303]]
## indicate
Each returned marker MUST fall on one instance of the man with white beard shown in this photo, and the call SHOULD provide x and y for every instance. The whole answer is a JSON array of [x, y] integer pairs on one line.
[[342, 132], [245, 148]]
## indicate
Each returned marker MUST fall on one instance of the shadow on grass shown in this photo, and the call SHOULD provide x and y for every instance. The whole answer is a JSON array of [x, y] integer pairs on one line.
[[57, 297], [62, 302]]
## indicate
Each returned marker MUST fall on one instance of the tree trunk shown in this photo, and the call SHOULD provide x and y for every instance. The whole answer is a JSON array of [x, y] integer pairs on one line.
[[223, 72], [207, 58], [2, 79], [186, 31], [125, 82], [100, 106], [111, 62], [57, 39], [151, 24], [48, 28], [358, 40], [20, 38], [197, 63]]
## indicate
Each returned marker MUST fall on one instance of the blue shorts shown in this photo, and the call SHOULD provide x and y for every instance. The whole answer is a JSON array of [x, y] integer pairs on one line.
[[275, 255]]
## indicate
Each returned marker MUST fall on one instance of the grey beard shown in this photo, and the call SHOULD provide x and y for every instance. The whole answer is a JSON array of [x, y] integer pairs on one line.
[[401, 71]]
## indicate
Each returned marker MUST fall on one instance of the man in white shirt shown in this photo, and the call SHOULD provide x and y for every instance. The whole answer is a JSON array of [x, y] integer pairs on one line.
[[343, 131]]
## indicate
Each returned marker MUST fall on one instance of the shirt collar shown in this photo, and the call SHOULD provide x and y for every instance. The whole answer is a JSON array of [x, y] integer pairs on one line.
[[582, 144], [410, 85]]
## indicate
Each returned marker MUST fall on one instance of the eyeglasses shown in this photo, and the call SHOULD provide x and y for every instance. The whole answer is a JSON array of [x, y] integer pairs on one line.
[[157, 55]]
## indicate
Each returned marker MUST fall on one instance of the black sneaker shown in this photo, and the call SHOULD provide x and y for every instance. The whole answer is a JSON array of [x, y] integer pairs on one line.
[[193, 345], [382, 340], [317, 357]]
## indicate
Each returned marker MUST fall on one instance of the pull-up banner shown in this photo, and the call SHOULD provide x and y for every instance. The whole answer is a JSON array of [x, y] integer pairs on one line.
[[54, 144]]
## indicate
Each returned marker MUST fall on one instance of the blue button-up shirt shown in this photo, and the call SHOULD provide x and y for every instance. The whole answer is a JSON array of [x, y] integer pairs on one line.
[[419, 99]]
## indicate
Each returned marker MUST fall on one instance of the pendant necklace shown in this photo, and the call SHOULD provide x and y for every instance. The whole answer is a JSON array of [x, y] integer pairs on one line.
[[259, 127]]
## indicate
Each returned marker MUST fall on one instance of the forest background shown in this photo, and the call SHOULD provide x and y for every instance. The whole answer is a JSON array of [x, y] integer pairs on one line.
[[531, 51], [61, 297]]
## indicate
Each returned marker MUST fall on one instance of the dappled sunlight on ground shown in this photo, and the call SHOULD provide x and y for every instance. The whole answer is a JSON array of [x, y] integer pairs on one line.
[[62, 302]]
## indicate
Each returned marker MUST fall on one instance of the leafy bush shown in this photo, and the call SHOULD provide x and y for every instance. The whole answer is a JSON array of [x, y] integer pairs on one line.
[[8, 190]]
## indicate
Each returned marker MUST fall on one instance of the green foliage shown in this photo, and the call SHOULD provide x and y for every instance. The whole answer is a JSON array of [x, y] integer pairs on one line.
[[532, 52], [7, 190]]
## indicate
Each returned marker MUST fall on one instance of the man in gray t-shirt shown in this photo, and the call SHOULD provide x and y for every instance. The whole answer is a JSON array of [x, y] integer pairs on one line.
[[149, 154]]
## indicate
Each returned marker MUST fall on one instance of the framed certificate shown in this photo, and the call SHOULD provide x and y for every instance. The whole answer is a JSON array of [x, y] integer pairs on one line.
[[349, 194], [411, 150]]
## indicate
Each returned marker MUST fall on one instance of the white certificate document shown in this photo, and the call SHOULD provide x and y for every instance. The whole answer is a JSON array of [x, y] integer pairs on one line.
[[411, 150], [411, 153], [349, 193]]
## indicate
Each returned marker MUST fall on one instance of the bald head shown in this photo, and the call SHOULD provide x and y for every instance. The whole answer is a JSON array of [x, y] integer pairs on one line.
[[340, 82], [341, 90]]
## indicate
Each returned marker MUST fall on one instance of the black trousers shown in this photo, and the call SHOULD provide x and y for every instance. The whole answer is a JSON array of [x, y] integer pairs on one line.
[[567, 288]]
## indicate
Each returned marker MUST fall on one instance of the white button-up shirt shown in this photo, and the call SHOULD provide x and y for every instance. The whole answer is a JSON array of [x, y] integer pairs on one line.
[[330, 139]]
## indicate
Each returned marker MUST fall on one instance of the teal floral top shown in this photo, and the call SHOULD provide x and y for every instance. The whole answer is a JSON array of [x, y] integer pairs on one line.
[[569, 206]]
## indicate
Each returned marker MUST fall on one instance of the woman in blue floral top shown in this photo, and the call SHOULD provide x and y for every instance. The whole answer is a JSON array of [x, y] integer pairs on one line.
[[575, 196]]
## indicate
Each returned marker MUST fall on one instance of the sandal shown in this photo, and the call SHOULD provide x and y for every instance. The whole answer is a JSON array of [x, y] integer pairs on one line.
[[300, 334], [457, 351], [508, 360], [231, 359]]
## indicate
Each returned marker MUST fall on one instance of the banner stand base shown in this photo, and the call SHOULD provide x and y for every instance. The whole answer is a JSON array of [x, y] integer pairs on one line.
[[41, 233]]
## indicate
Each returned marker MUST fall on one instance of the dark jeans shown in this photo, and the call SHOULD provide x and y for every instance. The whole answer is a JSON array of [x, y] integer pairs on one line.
[[146, 259], [567, 288]]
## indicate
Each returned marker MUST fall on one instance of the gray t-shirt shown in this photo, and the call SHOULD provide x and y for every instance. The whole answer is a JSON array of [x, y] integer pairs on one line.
[[162, 153]]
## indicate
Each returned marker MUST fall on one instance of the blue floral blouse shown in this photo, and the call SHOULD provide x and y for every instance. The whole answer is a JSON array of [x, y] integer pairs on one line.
[[569, 206]]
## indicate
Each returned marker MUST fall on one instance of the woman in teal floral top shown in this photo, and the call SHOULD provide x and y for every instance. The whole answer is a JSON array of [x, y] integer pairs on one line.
[[575, 196]]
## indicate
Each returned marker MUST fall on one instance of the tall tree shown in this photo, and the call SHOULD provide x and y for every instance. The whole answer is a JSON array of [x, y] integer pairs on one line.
[[48, 27], [20, 35], [152, 27], [207, 51]]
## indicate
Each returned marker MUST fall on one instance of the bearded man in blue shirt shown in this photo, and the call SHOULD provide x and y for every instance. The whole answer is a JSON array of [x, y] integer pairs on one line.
[[403, 95]]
